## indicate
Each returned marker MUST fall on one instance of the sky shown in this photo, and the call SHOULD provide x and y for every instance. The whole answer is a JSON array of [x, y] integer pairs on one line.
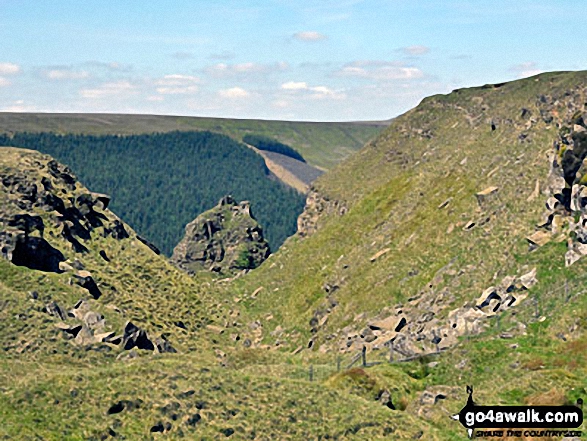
[[317, 60]]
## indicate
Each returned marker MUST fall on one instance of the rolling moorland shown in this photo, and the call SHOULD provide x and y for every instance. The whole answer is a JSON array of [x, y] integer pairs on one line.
[[453, 244], [323, 145]]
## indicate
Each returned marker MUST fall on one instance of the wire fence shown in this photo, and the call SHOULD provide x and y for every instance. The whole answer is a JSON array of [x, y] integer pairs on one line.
[[537, 306]]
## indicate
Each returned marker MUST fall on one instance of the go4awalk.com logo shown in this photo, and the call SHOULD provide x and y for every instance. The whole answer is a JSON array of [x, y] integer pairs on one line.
[[520, 421]]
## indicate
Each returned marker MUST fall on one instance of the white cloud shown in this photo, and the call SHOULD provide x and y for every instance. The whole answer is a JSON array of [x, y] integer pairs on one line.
[[177, 84], [66, 74], [309, 36], [111, 66], [4, 82], [109, 89], [177, 80], [251, 70], [316, 92], [415, 50], [380, 70], [9, 68], [18, 106], [177, 90], [234, 92], [527, 69], [292, 85]]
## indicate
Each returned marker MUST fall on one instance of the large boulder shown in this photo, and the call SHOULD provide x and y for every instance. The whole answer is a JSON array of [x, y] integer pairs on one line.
[[225, 239]]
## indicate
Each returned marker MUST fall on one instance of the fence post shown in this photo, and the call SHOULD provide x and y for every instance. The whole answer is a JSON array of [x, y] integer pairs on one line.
[[338, 364], [567, 295], [311, 372], [391, 352], [364, 355]]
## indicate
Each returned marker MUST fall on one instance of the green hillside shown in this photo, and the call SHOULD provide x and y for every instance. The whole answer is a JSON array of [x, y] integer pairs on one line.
[[451, 249], [421, 224], [321, 144], [74, 277], [161, 182]]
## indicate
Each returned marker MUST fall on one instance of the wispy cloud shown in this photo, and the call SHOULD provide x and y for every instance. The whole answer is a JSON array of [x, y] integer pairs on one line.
[[526, 69], [117, 88], [18, 106], [414, 50], [183, 55], [65, 74], [315, 92], [177, 84], [224, 55], [9, 69], [234, 93], [309, 36], [111, 66], [250, 71], [380, 70]]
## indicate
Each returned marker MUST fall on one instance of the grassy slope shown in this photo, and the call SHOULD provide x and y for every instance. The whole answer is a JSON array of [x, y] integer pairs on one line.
[[388, 203], [392, 189], [55, 389], [395, 204], [322, 144]]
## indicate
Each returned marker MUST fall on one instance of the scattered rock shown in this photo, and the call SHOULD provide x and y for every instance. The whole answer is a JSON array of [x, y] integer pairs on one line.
[[377, 255], [116, 408], [135, 337], [216, 329], [158, 427], [55, 310], [227, 432], [86, 281], [539, 239], [194, 419], [486, 195], [444, 204]]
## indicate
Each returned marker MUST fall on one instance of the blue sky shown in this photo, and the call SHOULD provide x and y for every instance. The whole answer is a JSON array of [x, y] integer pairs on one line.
[[274, 59]]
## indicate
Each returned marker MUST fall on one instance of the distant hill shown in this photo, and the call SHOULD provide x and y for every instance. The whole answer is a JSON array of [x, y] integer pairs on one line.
[[321, 144]]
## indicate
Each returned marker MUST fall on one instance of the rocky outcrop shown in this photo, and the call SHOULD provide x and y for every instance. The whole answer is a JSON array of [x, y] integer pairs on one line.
[[317, 205], [49, 222], [566, 184], [44, 195], [418, 327], [225, 239]]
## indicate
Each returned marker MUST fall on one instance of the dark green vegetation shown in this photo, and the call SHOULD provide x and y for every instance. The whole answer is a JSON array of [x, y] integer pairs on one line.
[[161, 182], [411, 227], [322, 144], [271, 145]]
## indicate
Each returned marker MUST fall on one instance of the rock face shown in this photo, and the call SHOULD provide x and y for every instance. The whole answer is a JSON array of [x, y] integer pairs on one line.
[[566, 184], [49, 222], [317, 205], [42, 195], [225, 239]]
